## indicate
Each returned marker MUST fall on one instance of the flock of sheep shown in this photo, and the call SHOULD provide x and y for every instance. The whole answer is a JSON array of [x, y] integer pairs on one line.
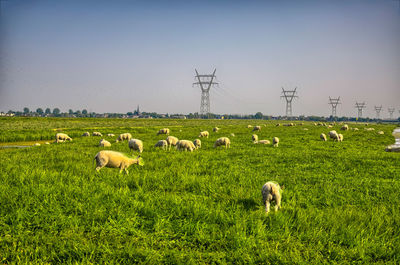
[[271, 191]]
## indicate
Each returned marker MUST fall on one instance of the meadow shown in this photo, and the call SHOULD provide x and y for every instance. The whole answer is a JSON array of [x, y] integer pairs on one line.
[[340, 203]]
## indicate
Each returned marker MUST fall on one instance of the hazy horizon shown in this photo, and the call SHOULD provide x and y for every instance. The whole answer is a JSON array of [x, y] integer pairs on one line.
[[112, 56]]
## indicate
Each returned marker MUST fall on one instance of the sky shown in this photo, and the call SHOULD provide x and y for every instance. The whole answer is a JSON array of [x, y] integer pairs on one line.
[[111, 56]]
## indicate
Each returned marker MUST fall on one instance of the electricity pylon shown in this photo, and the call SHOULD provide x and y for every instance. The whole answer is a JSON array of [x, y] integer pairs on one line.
[[289, 95], [205, 82], [334, 102], [360, 107]]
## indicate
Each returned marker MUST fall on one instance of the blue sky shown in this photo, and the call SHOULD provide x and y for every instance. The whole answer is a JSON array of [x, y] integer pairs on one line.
[[110, 56]]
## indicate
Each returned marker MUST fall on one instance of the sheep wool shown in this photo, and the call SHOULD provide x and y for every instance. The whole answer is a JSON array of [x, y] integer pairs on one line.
[[257, 128], [61, 137], [162, 143], [254, 137], [86, 134], [96, 134], [204, 134], [275, 141], [113, 159], [185, 145], [163, 131], [110, 134], [271, 192], [323, 137], [104, 143], [172, 141], [345, 127], [197, 143], [123, 137], [215, 129], [264, 142], [223, 141], [136, 145]]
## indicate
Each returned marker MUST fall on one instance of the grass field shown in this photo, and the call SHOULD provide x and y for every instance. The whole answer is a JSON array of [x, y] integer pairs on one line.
[[340, 203]]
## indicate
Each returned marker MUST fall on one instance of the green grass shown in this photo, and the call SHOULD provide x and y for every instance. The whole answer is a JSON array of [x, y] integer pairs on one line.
[[340, 202]]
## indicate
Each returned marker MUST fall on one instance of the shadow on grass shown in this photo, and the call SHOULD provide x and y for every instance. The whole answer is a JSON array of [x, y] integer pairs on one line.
[[248, 204]]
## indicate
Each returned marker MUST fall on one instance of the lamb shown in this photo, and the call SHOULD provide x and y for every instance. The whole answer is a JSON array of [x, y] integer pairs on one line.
[[323, 137], [163, 131], [104, 143], [275, 141], [172, 141], [111, 135], [112, 159], [86, 134], [197, 143], [136, 144], [185, 145], [254, 137], [61, 137], [271, 191], [204, 134], [162, 143], [263, 142], [345, 127], [96, 134], [257, 128], [381, 132], [215, 129], [369, 129], [222, 141], [123, 137]]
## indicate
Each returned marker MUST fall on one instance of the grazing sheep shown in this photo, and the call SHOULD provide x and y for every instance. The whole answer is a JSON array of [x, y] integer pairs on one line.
[[257, 128], [197, 143], [204, 134], [275, 141], [136, 144], [254, 137], [271, 192], [36, 144], [305, 129], [222, 141], [345, 127], [104, 143], [340, 137], [263, 142], [172, 141], [249, 126], [111, 135], [330, 126], [215, 129], [96, 134], [185, 145], [114, 159], [86, 134], [162, 143], [289, 124], [278, 124], [354, 129], [393, 148], [123, 137], [163, 131], [381, 132], [323, 137], [369, 129], [46, 143], [333, 135], [61, 137]]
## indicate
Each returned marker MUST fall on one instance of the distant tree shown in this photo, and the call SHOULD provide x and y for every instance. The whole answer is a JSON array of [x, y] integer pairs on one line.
[[258, 115], [70, 112], [26, 110], [47, 111], [129, 113], [84, 112], [39, 111], [78, 112], [56, 111]]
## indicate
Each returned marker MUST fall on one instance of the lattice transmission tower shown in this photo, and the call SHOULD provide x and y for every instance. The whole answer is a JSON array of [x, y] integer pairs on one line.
[[378, 111], [205, 82], [391, 111], [289, 95], [334, 102], [360, 107]]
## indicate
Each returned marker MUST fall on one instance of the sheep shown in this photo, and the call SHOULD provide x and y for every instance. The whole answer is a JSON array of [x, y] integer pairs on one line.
[[185, 145], [215, 129], [289, 124], [232, 134], [278, 124], [254, 137], [222, 141], [369, 129], [163, 131], [104, 143], [136, 144], [172, 141], [354, 129], [123, 137], [271, 191], [333, 135], [275, 141], [110, 135], [197, 143], [46, 143], [162, 143], [249, 126], [96, 134], [61, 137], [340, 137], [393, 148], [305, 129], [263, 142], [257, 128], [36, 144], [113, 159], [381, 132], [86, 134], [323, 137], [345, 127], [204, 134]]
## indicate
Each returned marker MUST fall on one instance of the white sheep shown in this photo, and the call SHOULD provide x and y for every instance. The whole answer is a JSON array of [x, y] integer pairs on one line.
[[61, 137], [354, 129], [254, 138], [46, 143], [305, 129], [86, 134], [197, 143], [136, 144], [114, 159], [215, 129], [163, 131], [340, 137], [257, 128], [323, 137], [110, 134], [104, 143], [222, 141], [345, 127], [185, 145], [369, 129], [278, 124], [249, 126], [263, 142], [275, 141], [271, 192], [162, 143], [36, 144], [123, 137], [96, 134], [232, 134], [333, 135], [204, 134], [381, 132], [172, 141]]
